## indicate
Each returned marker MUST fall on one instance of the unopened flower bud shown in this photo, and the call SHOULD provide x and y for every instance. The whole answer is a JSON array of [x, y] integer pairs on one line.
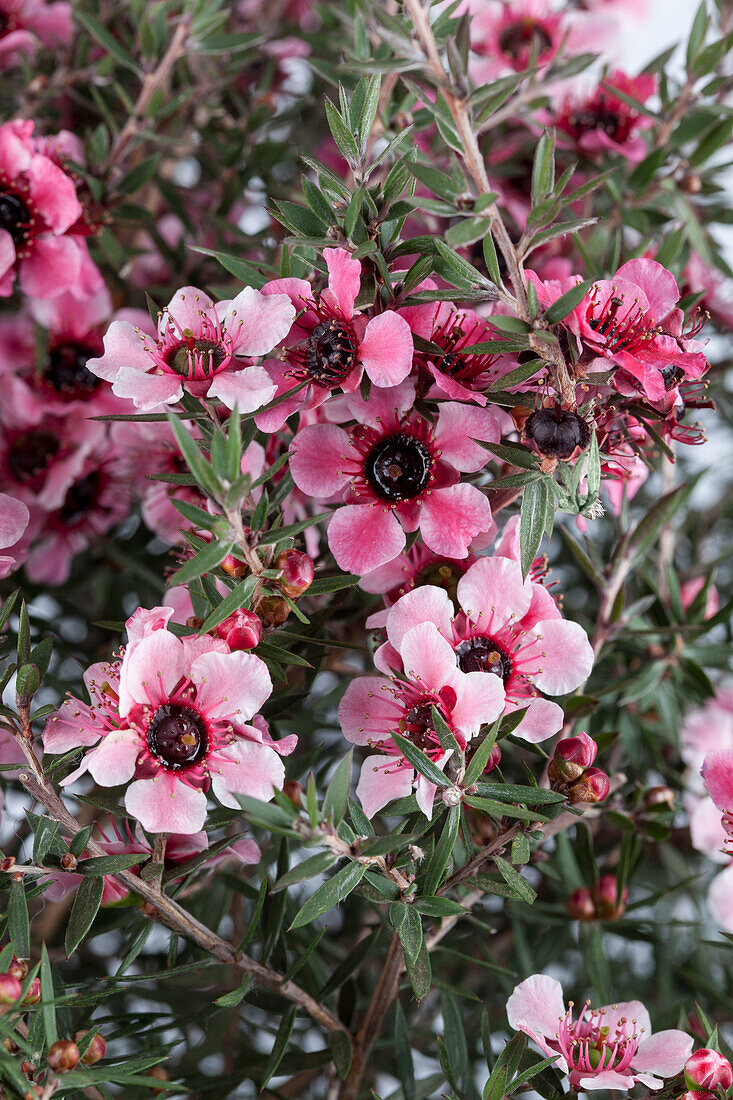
[[273, 611], [10, 989], [63, 1055], [94, 1051], [69, 862], [234, 567], [593, 786], [298, 571], [10, 1045], [33, 994], [293, 790], [452, 796], [572, 756], [241, 630], [706, 1070], [659, 796], [27, 1068], [703, 1095], [491, 763], [19, 968], [609, 905], [580, 905], [7, 864]]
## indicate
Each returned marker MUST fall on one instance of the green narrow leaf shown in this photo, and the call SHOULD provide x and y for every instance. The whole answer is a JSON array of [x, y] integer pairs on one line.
[[419, 973], [47, 999], [403, 1054], [280, 1045], [533, 521], [337, 793], [18, 925], [514, 880], [342, 1052], [330, 894], [213, 554], [86, 906], [443, 851], [238, 597], [407, 924], [420, 761], [567, 302]]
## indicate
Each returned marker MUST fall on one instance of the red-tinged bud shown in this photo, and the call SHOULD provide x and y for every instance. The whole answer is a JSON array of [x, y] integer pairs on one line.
[[7, 864], [27, 1069], [609, 905], [10, 1045], [19, 969], [10, 989], [69, 862], [234, 567], [33, 994], [273, 611], [298, 571], [572, 756], [697, 1096], [63, 1055], [707, 1070], [580, 905], [659, 796], [94, 1051], [593, 786], [241, 630]]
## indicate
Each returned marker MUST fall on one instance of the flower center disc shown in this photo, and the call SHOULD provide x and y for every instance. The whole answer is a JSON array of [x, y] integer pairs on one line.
[[483, 654], [417, 727], [66, 369], [557, 432], [15, 217], [185, 359], [398, 468], [80, 499], [177, 736], [520, 38], [330, 353], [31, 453]]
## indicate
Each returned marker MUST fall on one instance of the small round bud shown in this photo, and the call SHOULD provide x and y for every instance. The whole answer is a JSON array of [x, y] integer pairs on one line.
[[19, 969], [234, 567], [241, 630], [452, 796], [609, 905], [7, 864], [593, 786], [272, 611], [707, 1070], [94, 1051], [63, 1055], [69, 862], [33, 995], [572, 756], [580, 905], [10, 1045], [298, 571], [27, 1069], [659, 796], [10, 989]]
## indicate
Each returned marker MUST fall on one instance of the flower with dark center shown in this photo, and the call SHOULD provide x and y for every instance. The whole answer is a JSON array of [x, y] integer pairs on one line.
[[449, 365], [520, 40], [600, 116], [31, 453], [618, 326], [484, 654], [557, 432], [177, 736], [671, 375], [399, 467], [193, 359], [66, 370], [81, 498], [15, 217], [330, 353]]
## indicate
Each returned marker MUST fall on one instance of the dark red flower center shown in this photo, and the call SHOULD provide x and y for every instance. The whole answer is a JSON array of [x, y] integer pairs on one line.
[[601, 115], [31, 453], [184, 359], [484, 654], [66, 369], [627, 331], [15, 217], [519, 39], [399, 467], [557, 432], [330, 353], [80, 498], [671, 375], [177, 736]]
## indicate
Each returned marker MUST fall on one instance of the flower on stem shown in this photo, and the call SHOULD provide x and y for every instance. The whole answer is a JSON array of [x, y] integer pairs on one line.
[[374, 707], [605, 1048], [201, 346], [396, 472], [175, 717]]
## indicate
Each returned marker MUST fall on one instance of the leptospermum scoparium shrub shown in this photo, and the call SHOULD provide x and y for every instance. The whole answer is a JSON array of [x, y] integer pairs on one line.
[[366, 729]]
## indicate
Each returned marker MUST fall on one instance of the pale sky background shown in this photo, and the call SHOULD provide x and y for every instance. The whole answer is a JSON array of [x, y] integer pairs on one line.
[[663, 22]]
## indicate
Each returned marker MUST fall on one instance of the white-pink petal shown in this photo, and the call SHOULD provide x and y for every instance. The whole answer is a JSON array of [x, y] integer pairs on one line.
[[257, 322], [362, 538], [386, 349], [567, 656], [166, 805], [493, 593], [427, 604], [368, 710], [246, 767], [381, 780], [480, 700], [457, 428], [247, 389], [452, 517], [318, 455], [230, 685], [429, 658], [717, 775], [150, 670], [664, 1053]]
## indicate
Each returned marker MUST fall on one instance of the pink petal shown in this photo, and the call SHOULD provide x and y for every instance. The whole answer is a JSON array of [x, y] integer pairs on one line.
[[145, 621], [124, 346], [344, 279], [659, 285], [147, 391], [246, 768], [113, 761], [457, 427], [720, 899], [187, 307], [541, 720], [53, 266], [72, 725], [717, 774], [633, 1011], [166, 805], [492, 593], [425, 790], [383, 403], [427, 604], [257, 322], [368, 710], [233, 685], [150, 670], [480, 700], [381, 780], [567, 656], [53, 193], [453, 516], [663, 1053], [14, 516], [317, 457], [536, 1007], [386, 349], [7, 256], [429, 658], [362, 537], [607, 1079], [247, 389]]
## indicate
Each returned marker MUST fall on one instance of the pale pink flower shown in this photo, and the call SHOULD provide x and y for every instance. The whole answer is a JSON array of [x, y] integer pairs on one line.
[[373, 707], [201, 346], [604, 1048], [14, 516], [174, 718], [25, 25]]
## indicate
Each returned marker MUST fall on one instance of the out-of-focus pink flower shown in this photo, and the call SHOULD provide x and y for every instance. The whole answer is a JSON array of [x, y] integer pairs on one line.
[[26, 25], [602, 123], [14, 516], [604, 1048], [690, 590], [396, 473], [374, 707], [201, 346], [174, 717]]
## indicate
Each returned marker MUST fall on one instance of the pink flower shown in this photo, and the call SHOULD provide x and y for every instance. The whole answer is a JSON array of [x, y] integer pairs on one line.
[[175, 717], [707, 1069], [201, 347], [28, 24], [605, 1048], [603, 123], [690, 590], [38, 209], [331, 344], [508, 628], [14, 516], [40, 462], [373, 707], [717, 775], [412, 569], [395, 474]]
